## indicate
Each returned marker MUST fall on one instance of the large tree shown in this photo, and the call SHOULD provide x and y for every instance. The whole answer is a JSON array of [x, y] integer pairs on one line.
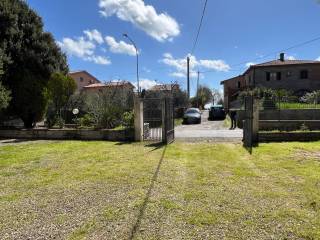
[[31, 57], [203, 96]]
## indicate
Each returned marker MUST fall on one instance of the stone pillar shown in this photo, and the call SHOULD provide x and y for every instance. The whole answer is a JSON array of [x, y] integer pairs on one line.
[[255, 121], [138, 119], [247, 123]]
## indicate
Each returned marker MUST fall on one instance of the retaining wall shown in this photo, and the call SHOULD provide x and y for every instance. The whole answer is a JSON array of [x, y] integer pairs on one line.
[[69, 134], [286, 120], [289, 136]]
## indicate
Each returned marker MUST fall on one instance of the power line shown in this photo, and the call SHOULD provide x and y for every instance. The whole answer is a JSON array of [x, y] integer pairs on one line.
[[269, 54], [283, 50], [199, 29]]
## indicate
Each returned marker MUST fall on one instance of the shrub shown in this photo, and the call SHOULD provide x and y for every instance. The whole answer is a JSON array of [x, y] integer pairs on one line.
[[128, 119]]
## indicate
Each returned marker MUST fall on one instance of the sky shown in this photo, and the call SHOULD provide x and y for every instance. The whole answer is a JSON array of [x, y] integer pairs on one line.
[[234, 35]]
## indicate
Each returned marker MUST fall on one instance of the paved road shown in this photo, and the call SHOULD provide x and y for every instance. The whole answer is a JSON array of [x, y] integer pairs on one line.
[[207, 130]]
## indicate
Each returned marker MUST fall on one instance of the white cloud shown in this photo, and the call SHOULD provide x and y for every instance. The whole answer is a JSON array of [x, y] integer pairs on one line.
[[217, 65], [249, 64], [318, 59], [82, 48], [94, 35], [78, 48], [180, 65], [159, 26], [98, 60], [120, 47], [145, 83]]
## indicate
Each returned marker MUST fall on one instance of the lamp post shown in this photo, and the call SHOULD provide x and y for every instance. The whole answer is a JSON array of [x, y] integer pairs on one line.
[[137, 53]]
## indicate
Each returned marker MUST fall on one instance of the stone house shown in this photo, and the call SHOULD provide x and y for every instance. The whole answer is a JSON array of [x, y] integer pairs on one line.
[[297, 76]]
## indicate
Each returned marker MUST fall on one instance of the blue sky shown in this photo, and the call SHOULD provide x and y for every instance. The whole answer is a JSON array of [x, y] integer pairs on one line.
[[233, 32]]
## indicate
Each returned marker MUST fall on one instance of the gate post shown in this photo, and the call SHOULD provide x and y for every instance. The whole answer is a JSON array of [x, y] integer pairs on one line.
[[255, 121], [251, 122], [164, 120], [138, 119]]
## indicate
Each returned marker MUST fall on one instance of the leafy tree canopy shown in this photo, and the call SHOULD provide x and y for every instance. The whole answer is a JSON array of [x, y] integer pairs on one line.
[[60, 87], [31, 56]]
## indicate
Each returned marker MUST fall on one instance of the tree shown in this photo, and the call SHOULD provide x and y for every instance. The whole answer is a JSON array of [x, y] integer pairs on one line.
[[204, 96], [31, 57], [4, 97], [61, 88], [4, 93]]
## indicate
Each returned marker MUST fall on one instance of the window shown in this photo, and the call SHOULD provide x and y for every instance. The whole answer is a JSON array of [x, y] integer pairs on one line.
[[268, 76], [279, 76], [239, 84], [81, 79], [304, 74]]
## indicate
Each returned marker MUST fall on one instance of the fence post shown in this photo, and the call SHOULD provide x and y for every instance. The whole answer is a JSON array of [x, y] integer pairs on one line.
[[138, 119]]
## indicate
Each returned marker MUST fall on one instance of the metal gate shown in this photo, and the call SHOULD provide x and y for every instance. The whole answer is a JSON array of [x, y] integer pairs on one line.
[[158, 120]]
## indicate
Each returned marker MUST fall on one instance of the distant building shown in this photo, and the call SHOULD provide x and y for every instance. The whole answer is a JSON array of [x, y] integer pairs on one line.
[[298, 76], [83, 79], [165, 87], [99, 87]]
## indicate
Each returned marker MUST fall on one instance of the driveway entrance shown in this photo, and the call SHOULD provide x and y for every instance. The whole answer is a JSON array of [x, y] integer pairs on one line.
[[208, 130]]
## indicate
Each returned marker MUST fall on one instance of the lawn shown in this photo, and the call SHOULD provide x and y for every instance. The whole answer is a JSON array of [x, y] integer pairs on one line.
[[103, 190]]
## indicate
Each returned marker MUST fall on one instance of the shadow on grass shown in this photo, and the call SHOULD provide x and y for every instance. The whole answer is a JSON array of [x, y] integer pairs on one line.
[[143, 207], [155, 146]]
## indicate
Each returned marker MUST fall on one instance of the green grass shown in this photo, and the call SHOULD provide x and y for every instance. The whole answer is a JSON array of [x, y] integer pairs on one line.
[[103, 190]]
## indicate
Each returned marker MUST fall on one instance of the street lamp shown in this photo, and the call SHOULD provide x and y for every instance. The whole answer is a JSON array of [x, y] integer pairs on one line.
[[137, 53]]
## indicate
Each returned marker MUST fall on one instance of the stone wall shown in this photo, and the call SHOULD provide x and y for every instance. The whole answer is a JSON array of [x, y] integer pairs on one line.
[[69, 134], [289, 119], [289, 136]]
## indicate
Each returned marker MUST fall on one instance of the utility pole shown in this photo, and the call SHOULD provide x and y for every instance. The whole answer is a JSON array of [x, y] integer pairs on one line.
[[198, 88], [188, 76]]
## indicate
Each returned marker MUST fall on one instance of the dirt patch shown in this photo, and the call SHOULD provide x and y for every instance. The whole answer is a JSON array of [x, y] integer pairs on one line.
[[303, 155]]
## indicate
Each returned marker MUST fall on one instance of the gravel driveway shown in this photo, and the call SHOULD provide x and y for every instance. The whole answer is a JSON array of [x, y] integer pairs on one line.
[[207, 130]]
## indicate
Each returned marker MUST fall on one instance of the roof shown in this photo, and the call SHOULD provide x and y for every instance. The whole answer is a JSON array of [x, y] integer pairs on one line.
[[119, 84], [83, 71], [110, 84], [230, 79], [286, 62], [275, 63], [164, 87], [281, 63], [96, 85]]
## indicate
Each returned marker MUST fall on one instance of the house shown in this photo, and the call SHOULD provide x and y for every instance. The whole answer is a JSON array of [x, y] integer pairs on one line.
[[83, 79], [165, 87], [99, 87], [298, 76]]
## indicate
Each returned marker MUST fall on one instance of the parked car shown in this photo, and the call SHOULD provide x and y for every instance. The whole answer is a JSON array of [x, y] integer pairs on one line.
[[192, 116], [217, 112]]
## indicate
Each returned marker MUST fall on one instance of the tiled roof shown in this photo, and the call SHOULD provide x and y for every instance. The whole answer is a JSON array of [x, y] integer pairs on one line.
[[96, 85], [118, 84], [286, 62], [110, 84]]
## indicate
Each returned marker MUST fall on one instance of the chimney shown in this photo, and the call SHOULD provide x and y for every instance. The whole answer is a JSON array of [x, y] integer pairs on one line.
[[282, 57]]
